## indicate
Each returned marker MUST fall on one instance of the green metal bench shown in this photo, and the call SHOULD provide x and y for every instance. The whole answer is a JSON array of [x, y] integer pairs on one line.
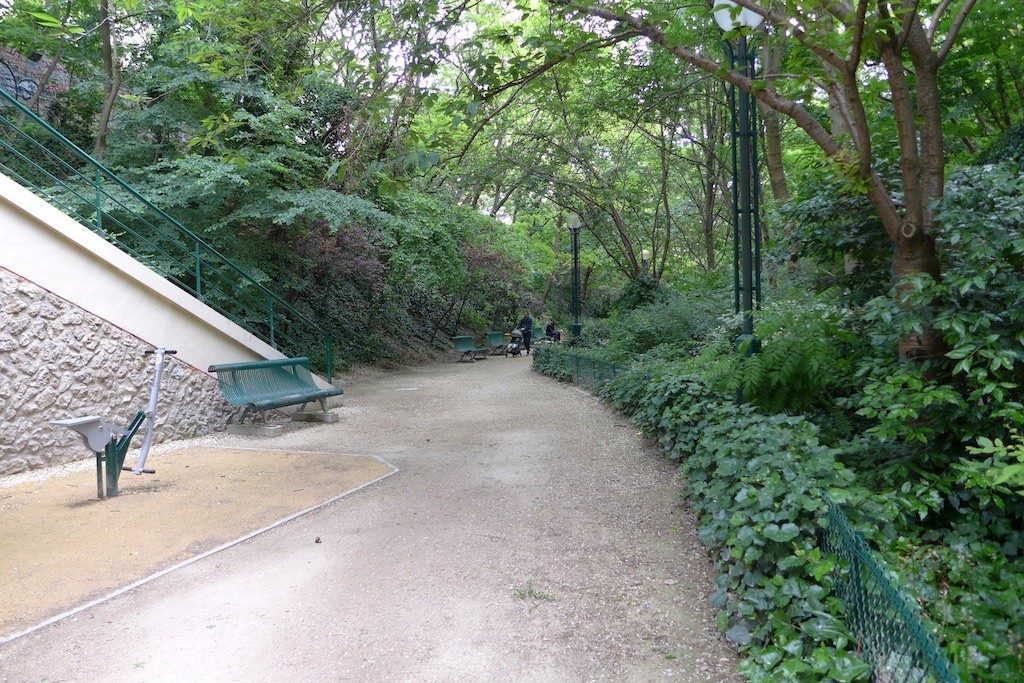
[[497, 342], [468, 348], [270, 384]]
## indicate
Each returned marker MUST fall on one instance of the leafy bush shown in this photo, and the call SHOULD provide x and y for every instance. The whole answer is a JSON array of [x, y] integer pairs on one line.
[[547, 361], [640, 292], [804, 362], [968, 580], [978, 307], [837, 237], [679, 320], [757, 484]]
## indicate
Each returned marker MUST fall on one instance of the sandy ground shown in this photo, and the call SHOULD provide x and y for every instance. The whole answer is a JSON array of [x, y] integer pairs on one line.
[[63, 547], [500, 527]]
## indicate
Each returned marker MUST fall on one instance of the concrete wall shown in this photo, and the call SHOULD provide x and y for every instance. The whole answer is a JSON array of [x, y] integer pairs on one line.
[[75, 315]]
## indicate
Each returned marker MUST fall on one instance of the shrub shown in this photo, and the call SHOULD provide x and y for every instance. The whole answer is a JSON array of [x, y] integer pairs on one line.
[[757, 484], [978, 307], [680, 320], [804, 362]]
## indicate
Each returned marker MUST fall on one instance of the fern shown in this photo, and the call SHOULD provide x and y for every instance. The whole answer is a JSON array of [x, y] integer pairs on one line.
[[803, 362]]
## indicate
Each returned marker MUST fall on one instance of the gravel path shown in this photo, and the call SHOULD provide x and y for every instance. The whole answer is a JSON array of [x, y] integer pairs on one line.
[[529, 535]]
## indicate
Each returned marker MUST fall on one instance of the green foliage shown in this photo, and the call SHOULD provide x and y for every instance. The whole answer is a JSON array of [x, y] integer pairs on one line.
[[839, 231], [548, 362], [806, 347], [978, 308], [968, 580], [757, 484], [1001, 473], [679, 319], [903, 403], [640, 292], [1009, 148]]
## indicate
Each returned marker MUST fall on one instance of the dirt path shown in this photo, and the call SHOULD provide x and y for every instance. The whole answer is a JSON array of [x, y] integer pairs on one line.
[[529, 535]]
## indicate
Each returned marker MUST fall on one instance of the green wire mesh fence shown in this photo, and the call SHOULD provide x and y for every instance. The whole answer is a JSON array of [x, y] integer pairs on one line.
[[41, 159], [592, 373], [893, 636]]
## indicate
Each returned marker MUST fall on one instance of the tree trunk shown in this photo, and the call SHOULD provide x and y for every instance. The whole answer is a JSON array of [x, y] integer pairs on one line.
[[915, 254], [45, 80], [112, 69], [772, 126]]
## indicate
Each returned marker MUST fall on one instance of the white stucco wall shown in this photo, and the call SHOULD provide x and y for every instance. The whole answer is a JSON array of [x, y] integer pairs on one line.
[[43, 245], [75, 315]]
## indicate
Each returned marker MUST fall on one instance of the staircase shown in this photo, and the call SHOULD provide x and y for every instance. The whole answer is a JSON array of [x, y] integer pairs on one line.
[[39, 158]]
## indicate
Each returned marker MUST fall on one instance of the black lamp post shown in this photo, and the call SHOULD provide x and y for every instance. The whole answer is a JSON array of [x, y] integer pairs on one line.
[[645, 255], [574, 227], [746, 183]]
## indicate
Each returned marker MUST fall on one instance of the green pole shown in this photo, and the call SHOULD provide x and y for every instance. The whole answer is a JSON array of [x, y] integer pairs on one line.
[[271, 313], [99, 200], [577, 328], [746, 204], [199, 272], [745, 139]]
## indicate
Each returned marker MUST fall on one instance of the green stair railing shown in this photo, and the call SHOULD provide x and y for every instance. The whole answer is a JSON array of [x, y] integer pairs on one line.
[[39, 157]]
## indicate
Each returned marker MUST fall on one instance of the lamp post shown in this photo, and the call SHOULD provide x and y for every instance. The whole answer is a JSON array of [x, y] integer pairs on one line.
[[645, 255], [746, 183], [574, 227]]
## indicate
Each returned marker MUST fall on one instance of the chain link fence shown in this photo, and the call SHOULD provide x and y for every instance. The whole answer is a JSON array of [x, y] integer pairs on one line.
[[894, 637], [591, 373]]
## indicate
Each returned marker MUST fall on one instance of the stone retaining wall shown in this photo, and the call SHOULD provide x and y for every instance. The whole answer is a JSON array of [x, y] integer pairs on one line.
[[22, 76], [59, 361]]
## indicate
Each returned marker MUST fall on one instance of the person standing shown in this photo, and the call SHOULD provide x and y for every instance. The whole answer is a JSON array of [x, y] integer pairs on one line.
[[526, 325]]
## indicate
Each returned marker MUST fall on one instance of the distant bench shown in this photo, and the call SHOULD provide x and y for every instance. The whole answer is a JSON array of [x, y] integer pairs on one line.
[[468, 348], [270, 384], [497, 342]]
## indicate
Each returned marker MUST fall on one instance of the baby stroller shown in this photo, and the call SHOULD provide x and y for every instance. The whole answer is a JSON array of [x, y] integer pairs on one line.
[[515, 346]]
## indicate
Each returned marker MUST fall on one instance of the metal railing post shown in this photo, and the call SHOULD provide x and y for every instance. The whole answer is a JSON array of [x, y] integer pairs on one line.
[[99, 200], [199, 272], [271, 321]]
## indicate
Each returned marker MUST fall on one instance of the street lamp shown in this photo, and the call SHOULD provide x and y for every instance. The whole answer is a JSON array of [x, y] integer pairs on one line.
[[645, 255], [574, 227], [746, 183]]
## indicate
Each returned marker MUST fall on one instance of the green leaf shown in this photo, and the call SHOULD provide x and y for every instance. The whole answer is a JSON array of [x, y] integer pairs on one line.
[[781, 534]]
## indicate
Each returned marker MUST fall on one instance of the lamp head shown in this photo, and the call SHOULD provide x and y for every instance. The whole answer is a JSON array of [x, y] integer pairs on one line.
[[645, 254], [574, 221], [729, 16]]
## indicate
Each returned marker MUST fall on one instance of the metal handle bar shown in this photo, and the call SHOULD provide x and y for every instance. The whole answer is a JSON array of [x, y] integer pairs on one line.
[[151, 410]]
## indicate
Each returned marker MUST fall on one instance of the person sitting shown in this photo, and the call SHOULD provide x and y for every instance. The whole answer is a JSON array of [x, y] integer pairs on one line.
[[551, 333]]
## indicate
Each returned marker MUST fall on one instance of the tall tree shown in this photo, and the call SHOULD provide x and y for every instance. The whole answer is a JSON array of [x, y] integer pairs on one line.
[[839, 42]]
